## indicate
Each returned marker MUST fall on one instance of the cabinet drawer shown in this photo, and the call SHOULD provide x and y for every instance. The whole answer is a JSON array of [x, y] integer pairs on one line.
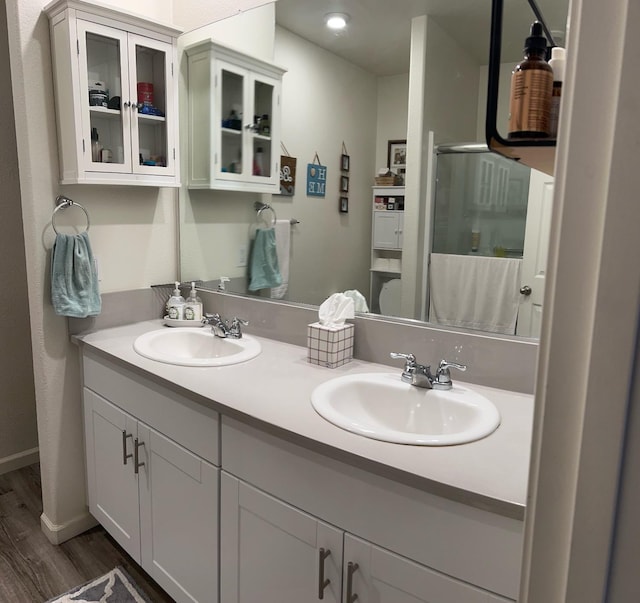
[[467, 543], [194, 426]]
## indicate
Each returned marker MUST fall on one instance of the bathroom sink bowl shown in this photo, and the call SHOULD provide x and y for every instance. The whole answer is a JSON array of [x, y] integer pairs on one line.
[[382, 407], [195, 347]]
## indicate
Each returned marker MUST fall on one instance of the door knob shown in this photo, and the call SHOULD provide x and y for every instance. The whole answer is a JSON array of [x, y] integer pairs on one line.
[[525, 290]]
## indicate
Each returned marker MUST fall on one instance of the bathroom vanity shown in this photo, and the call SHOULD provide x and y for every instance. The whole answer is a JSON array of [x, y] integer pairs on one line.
[[225, 484]]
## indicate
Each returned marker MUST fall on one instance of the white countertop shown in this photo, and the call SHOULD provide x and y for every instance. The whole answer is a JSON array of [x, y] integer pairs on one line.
[[275, 388]]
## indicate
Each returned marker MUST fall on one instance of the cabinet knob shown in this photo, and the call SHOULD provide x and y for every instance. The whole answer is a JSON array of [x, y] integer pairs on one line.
[[525, 290], [126, 104]]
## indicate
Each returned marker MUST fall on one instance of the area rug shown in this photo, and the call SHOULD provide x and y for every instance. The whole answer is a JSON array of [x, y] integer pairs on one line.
[[115, 587]]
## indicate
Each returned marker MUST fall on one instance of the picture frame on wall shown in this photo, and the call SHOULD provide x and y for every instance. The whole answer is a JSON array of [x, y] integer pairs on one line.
[[344, 205], [344, 162], [397, 155], [344, 184]]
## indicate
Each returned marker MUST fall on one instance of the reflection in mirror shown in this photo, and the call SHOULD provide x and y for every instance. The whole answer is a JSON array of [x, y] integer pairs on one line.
[[395, 74]]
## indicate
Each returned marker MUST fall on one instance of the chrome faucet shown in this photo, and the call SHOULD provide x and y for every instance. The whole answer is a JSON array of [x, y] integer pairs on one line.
[[420, 375], [221, 328]]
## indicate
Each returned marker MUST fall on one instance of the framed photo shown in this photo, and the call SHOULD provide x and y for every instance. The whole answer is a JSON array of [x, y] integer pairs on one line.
[[344, 205], [344, 162], [344, 184], [397, 155]]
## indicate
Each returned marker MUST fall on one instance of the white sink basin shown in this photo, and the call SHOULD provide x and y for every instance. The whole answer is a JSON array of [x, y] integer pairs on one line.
[[195, 347], [382, 407]]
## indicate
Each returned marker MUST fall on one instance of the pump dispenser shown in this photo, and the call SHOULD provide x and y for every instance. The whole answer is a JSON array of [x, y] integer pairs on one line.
[[193, 305], [531, 86], [175, 305], [557, 64]]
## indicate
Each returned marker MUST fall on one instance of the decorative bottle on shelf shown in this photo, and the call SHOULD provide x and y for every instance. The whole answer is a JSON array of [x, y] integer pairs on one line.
[[557, 64], [531, 86], [96, 149], [258, 164]]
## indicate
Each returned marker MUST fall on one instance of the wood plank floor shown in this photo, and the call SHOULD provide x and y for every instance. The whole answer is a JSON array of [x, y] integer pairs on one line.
[[32, 570]]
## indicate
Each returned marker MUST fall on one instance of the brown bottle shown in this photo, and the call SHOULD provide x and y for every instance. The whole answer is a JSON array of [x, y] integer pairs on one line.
[[531, 88]]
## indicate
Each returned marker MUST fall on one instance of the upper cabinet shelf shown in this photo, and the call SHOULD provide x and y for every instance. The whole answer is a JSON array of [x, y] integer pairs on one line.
[[116, 96], [234, 120], [538, 153]]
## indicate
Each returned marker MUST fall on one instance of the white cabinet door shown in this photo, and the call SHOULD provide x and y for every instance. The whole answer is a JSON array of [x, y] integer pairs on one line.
[[178, 516], [112, 483], [375, 574], [271, 552], [386, 230]]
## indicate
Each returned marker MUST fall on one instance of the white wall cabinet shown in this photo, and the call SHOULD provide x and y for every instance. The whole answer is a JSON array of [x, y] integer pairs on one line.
[[234, 120], [116, 96], [156, 498], [387, 229]]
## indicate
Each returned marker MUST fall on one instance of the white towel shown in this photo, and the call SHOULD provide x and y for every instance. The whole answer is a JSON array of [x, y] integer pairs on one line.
[[474, 292], [283, 247]]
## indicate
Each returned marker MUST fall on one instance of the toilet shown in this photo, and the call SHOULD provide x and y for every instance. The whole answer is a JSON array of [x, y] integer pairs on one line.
[[390, 296]]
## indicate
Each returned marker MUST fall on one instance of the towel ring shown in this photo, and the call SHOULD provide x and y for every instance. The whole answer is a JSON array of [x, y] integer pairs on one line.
[[62, 203], [260, 207]]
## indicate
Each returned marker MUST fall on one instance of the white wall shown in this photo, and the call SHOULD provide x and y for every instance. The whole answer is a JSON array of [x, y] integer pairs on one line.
[[200, 13], [393, 109], [18, 434], [127, 223], [504, 91]]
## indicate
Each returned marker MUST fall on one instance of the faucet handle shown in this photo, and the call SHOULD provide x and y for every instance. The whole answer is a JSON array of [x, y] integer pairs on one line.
[[410, 358], [235, 328], [443, 377]]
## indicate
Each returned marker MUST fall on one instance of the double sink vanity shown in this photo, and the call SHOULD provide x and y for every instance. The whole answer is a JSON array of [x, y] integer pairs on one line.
[[233, 470]]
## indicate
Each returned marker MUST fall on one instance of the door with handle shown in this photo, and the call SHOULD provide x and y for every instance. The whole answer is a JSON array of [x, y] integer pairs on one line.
[[273, 553], [113, 483]]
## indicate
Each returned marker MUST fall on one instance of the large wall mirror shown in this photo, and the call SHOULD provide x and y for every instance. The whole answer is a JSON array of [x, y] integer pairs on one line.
[[472, 226]]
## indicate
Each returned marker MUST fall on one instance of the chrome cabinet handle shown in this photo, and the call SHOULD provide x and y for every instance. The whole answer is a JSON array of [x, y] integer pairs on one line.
[[351, 596], [125, 456], [322, 582], [525, 290], [126, 104], [136, 462]]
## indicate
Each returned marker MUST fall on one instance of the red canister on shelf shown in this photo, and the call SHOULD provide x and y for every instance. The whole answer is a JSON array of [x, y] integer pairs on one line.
[[145, 93]]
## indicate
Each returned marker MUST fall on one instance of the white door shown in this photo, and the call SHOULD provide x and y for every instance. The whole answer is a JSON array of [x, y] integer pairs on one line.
[[534, 259], [112, 481], [178, 518], [375, 574], [273, 553]]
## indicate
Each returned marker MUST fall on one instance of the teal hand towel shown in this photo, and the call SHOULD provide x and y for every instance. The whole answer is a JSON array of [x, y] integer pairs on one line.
[[264, 272], [74, 282]]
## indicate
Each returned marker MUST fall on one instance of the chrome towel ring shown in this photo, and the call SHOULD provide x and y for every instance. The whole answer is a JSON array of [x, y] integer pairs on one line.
[[260, 207], [63, 202]]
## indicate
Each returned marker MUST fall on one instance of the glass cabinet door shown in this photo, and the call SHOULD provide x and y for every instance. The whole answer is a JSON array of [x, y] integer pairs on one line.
[[231, 120], [151, 108], [264, 94], [103, 79]]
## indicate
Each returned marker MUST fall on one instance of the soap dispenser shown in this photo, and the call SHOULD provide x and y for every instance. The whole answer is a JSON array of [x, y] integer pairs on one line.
[[193, 305], [175, 305]]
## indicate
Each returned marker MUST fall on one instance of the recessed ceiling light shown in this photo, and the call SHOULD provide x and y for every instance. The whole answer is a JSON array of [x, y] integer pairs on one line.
[[336, 21]]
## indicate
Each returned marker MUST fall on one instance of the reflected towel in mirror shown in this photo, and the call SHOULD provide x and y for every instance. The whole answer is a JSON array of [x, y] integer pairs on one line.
[[283, 250], [474, 292], [74, 281], [264, 272]]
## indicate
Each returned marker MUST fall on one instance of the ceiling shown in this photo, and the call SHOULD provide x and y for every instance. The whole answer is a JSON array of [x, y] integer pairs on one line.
[[377, 36]]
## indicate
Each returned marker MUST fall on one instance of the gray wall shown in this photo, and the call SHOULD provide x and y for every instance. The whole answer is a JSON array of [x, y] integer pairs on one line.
[[18, 433]]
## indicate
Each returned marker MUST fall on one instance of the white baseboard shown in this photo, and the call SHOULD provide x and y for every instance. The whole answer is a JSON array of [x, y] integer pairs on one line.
[[17, 461], [59, 533]]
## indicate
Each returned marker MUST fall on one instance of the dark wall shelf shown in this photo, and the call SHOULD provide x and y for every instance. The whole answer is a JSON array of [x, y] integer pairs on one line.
[[536, 153]]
